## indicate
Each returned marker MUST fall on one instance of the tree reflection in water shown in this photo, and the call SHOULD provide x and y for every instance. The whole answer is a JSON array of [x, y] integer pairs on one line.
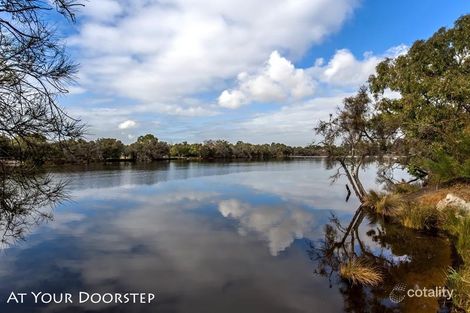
[[26, 199], [400, 254]]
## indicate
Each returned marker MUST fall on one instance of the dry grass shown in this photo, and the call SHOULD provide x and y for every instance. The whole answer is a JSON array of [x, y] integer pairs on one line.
[[389, 205], [373, 197], [431, 196], [360, 272], [384, 204], [421, 217]]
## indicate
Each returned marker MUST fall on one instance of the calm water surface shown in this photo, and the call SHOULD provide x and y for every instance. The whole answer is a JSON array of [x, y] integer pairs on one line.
[[211, 237]]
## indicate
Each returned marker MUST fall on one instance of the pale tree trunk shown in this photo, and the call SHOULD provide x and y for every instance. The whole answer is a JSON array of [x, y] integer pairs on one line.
[[354, 181]]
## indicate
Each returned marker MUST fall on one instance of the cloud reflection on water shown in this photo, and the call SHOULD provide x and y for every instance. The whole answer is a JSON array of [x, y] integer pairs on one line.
[[206, 238], [280, 226]]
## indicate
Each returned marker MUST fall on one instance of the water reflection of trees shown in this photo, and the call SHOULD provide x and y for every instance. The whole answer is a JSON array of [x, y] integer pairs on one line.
[[401, 255], [26, 199]]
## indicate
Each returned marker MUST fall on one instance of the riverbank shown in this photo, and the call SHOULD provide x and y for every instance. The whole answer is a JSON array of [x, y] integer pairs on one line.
[[434, 210]]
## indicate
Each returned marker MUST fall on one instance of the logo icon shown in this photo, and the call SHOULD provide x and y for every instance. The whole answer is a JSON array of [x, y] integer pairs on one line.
[[398, 293]]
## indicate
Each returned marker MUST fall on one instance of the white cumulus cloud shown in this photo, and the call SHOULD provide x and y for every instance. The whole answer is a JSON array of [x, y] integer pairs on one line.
[[278, 81], [162, 53], [345, 70], [127, 124]]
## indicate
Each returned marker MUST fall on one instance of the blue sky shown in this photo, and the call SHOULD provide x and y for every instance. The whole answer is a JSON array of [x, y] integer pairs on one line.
[[257, 71]]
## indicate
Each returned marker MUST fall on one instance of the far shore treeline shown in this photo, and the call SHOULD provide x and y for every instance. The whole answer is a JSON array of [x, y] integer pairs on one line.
[[147, 148], [416, 106]]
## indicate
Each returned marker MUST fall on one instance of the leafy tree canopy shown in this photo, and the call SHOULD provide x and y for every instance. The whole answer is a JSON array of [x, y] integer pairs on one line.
[[34, 70], [432, 111]]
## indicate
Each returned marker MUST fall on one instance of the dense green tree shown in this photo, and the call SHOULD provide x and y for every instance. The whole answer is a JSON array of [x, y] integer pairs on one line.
[[181, 150], [75, 151], [279, 150], [242, 150], [207, 150], [433, 109], [427, 123], [222, 149], [109, 148], [310, 150], [148, 148]]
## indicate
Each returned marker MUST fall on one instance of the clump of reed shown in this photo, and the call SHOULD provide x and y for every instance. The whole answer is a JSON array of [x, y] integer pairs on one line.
[[387, 204], [360, 272]]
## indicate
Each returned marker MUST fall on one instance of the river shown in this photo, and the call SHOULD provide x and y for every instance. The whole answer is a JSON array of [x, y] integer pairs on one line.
[[209, 237]]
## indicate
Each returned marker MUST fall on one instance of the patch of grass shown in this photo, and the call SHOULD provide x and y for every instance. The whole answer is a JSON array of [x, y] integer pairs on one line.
[[457, 224], [384, 203], [360, 272], [389, 205], [452, 217], [421, 217], [459, 281], [463, 239], [373, 197], [431, 195], [431, 198], [406, 188]]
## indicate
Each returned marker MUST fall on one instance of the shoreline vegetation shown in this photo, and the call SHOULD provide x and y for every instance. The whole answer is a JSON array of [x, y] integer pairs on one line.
[[426, 121], [429, 124], [38, 151], [436, 211]]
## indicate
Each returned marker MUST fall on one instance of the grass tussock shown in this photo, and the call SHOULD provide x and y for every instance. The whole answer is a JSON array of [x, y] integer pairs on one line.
[[463, 239], [459, 281], [360, 272], [384, 203], [458, 226], [421, 217]]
